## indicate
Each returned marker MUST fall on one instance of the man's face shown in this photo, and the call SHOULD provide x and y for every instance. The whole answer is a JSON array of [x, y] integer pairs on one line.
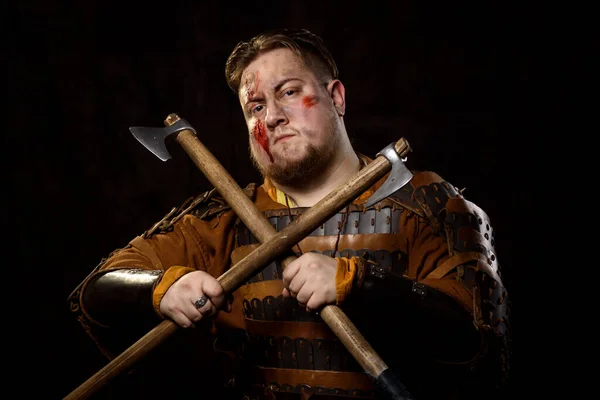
[[293, 124]]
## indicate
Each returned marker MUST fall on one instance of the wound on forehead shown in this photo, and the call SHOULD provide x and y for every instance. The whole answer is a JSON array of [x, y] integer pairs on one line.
[[251, 83]]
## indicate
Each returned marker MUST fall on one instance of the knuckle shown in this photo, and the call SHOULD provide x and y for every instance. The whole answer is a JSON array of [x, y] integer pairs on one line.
[[313, 264]]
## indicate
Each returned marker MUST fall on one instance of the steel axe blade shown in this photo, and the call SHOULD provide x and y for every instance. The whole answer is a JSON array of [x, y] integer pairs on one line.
[[399, 176], [154, 139]]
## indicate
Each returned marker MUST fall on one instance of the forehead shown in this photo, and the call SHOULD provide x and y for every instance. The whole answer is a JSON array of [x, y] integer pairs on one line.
[[274, 65]]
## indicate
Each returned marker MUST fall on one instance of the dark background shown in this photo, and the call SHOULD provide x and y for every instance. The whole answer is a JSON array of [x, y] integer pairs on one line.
[[453, 78]]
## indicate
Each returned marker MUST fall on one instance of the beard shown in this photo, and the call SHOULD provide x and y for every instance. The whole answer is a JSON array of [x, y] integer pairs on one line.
[[302, 171]]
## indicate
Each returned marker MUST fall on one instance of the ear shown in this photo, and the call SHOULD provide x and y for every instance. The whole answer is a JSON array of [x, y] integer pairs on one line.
[[337, 91]]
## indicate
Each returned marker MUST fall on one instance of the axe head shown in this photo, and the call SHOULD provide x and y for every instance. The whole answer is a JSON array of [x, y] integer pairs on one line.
[[154, 139], [399, 176]]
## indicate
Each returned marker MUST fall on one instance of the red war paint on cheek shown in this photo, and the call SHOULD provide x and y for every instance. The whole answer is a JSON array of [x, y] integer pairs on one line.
[[261, 138], [309, 101]]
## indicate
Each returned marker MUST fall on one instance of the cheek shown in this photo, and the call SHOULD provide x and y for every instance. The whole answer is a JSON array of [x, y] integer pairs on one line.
[[259, 135], [300, 114], [309, 101], [308, 109]]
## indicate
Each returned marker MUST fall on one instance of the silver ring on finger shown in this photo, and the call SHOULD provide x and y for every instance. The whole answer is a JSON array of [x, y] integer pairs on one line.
[[200, 302]]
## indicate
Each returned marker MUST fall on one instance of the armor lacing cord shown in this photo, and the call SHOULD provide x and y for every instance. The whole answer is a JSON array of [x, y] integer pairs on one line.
[[287, 203], [346, 267], [340, 227], [345, 276]]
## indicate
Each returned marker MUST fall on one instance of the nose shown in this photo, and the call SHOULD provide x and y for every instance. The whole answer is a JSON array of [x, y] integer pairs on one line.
[[275, 115]]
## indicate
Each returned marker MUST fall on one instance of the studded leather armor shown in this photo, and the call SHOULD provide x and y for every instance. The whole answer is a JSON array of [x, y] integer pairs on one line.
[[432, 296], [291, 351]]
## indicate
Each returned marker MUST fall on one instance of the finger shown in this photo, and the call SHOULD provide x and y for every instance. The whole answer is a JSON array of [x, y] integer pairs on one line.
[[203, 305], [314, 303], [290, 272], [200, 301], [297, 282], [304, 295], [194, 315], [209, 309], [286, 293], [229, 306], [213, 289], [182, 320], [213, 311]]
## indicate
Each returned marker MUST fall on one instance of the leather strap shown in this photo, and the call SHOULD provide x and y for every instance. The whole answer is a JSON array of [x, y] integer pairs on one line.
[[290, 329], [346, 381], [459, 259]]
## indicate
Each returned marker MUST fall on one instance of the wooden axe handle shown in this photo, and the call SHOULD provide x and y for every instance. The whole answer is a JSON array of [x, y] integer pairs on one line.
[[274, 244]]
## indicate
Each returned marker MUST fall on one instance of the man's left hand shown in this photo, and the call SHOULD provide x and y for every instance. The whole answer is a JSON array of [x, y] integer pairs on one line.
[[311, 280]]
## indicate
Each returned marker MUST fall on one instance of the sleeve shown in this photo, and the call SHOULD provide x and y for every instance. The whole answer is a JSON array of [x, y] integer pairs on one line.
[[119, 300], [125, 284], [427, 251], [450, 298]]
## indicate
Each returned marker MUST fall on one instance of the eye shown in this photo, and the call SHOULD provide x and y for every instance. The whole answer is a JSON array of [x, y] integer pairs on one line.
[[256, 109], [289, 92]]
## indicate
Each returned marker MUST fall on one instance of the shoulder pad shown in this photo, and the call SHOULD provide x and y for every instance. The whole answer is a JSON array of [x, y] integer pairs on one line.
[[427, 194], [204, 206], [211, 203], [191, 205]]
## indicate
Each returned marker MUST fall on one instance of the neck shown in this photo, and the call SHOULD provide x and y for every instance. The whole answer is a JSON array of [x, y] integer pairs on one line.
[[344, 166]]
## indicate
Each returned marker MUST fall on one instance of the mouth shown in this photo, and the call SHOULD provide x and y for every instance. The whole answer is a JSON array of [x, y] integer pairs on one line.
[[282, 138]]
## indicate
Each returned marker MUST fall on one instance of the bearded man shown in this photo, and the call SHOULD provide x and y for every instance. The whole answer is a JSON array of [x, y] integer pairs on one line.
[[416, 272]]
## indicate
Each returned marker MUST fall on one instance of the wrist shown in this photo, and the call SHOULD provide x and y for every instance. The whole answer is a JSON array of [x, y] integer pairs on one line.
[[169, 277], [345, 278]]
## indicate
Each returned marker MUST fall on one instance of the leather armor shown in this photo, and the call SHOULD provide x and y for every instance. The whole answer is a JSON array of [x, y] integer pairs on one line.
[[291, 351], [284, 352]]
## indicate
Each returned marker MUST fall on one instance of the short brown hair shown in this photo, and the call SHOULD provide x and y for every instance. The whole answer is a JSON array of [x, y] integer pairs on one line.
[[309, 47]]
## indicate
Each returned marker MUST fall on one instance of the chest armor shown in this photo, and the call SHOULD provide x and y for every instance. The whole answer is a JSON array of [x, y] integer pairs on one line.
[[290, 350]]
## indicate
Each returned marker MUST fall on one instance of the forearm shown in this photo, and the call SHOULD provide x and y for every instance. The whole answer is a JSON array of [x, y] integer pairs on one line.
[[121, 290], [129, 285], [395, 310]]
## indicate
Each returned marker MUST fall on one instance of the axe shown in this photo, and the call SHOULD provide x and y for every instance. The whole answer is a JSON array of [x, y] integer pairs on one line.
[[273, 245]]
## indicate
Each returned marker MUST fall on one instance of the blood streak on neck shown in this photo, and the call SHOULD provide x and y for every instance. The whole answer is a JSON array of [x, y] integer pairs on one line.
[[261, 138]]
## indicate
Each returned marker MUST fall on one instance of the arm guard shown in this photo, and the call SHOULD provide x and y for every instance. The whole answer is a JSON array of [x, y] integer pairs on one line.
[[121, 297], [118, 297]]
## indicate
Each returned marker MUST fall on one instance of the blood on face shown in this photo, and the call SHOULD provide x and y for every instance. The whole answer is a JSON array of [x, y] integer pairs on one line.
[[309, 101], [260, 135]]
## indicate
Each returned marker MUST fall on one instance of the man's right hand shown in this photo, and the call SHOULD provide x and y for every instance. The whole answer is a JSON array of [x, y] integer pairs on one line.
[[178, 302]]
